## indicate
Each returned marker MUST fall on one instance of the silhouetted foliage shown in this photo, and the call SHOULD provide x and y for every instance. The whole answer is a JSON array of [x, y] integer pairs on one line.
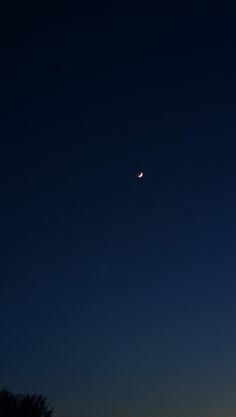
[[18, 405]]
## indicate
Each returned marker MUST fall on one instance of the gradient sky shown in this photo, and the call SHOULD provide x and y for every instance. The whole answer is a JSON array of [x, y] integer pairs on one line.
[[117, 296]]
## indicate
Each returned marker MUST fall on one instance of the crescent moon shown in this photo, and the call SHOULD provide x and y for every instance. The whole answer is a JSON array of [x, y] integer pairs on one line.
[[140, 175]]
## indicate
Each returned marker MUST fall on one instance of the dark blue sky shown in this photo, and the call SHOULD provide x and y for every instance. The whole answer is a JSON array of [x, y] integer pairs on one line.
[[117, 296]]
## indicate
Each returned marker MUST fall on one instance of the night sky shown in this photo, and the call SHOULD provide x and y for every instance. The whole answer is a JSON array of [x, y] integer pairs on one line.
[[117, 295]]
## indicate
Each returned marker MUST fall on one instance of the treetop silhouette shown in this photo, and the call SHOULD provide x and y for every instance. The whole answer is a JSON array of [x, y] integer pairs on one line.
[[19, 405]]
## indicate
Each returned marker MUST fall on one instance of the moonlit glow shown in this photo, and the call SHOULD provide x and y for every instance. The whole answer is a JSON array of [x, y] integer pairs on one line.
[[140, 175]]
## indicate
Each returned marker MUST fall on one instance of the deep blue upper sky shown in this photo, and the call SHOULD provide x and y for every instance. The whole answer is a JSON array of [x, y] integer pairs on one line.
[[117, 296]]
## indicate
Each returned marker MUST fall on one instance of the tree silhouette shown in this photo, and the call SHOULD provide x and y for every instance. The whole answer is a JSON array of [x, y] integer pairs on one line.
[[18, 405]]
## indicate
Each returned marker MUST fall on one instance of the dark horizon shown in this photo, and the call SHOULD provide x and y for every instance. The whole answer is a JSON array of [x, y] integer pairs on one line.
[[117, 294]]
